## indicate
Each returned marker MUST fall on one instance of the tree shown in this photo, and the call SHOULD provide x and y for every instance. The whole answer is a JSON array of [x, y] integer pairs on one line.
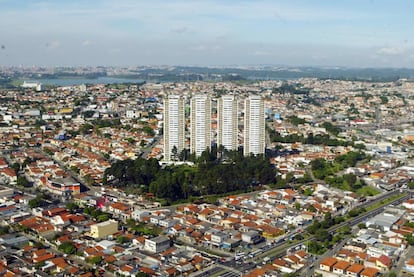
[[48, 151], [296, 120], [89, 180], [362, 225], [86, 129], [67, 247], [122, 239], [346, 230], [298, 237], [75, 169], [95, 260], [410, 239], [23, 182], [308, 191], [323, 235], [103, 217], [36, 202], [350, 179], [72, 206], [315, 247], [88, 114], [27, 161], [16, 167], [331, 128], [4, 230], [174, 153], [148, 130]]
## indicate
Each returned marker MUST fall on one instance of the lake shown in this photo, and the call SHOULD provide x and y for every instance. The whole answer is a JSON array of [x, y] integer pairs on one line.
[[61, 82]]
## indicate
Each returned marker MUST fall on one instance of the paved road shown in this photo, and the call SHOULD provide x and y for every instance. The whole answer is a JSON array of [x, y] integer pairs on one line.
[[407, 254], [148, 149]]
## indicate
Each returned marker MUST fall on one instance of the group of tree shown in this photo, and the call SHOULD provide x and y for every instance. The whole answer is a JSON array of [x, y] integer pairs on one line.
[[323, 238], [326, 223], [322, 168], [318, 139], [67, 247], [23, 182], [97, 124], [208, 176], [291, 88], [39, 200], [296, 120], [330, 128], [97, 214], [142, 228]]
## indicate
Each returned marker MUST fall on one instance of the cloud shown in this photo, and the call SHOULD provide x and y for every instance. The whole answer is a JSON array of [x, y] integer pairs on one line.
[[181, 30], [205, 48], [53, 44], [391, 51], [261, 53], [86, 43]]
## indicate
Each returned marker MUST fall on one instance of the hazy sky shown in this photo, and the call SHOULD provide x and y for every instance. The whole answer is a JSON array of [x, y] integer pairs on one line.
[[361, 33]]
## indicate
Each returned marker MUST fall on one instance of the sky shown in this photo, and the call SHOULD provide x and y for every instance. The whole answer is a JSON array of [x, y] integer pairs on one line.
[[347, 33]]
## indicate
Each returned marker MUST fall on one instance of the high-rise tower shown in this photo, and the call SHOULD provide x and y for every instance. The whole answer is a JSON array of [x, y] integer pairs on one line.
[[174, 127], [227, 128], [254, 126], [200, 124]]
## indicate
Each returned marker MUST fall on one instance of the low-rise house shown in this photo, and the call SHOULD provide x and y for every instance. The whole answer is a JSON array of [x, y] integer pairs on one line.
[[384, 262], [370, 272], [327, 264], [251, 237], [409, 266], [157, 244], [155, 219], [167, 222], [340, 267], [282, 266], [354, 270], [218, 238]]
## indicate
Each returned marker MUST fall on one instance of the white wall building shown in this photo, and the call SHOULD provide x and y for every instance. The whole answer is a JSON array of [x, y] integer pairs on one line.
[[174, 127], [200, 124], [227, 128], [157, 244], [254, 126]]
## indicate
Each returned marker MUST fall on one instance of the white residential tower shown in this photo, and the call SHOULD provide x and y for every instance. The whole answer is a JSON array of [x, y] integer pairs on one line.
[[200, 124], [174, 127], [227, 128], [254, 126]]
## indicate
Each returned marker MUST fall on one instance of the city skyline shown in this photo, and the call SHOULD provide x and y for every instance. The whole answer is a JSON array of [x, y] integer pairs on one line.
[[363, 33]]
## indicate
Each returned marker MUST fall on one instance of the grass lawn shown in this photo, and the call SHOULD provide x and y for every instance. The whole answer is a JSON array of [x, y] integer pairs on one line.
[[367, 191], [383, 202]]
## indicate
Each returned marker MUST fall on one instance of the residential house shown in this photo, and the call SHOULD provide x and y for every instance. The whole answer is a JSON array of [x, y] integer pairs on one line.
[[327, 264], [282, 266], [157, 244], [340, 267], [370, 272], [354, 270], [218, 238], [409, 266]]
